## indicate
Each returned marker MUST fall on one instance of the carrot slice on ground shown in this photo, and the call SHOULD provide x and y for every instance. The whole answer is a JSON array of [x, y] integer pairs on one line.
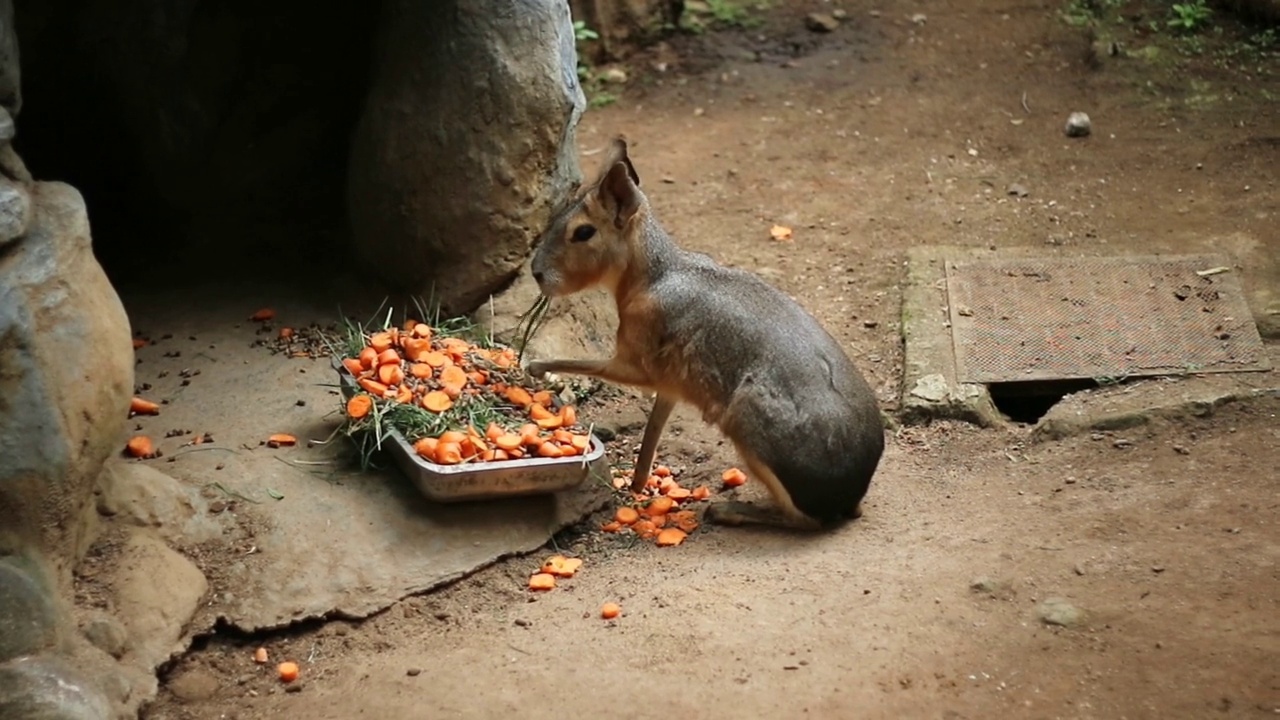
[[544, 398], [388, 356], [448, 453], [359, 406], [422, 330], [686, 520], [519, 396], [702, 492], [288, 671], [611, 527], [437, 401], [390, 374], [609, 611], [140, 446], [645, 528], [426, 447], [671, 536], [435, 359], [478, 377], [453, 391], [733, 477], [626, 515], [662, 471], [542, 581], [420, 370], [549, 423], [677, 493], [569, 415], [281, 439], [260, 655], [139, 343], [416, 348], [539, 412], [368, 358], [453, 376], [508, 441], [381, 341], [263, 315], [404, 396], [138, 406]]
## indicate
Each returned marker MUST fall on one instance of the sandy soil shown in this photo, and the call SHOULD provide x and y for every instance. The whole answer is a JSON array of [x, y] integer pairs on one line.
[[882, 135]]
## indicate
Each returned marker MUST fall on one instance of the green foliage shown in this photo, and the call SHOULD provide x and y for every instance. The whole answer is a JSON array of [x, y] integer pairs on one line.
[[722, 14], [1189, 17], [596, 97]]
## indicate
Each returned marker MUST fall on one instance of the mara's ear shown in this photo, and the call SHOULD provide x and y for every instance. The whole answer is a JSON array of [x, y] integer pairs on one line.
[[619, 194], [618, 154]]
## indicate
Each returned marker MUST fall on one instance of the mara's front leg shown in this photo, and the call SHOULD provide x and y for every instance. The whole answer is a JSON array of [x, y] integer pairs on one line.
[[662, 406], [614, 370]]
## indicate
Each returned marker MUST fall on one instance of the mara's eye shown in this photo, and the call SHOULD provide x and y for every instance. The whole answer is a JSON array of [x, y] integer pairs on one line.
[[584, 233]]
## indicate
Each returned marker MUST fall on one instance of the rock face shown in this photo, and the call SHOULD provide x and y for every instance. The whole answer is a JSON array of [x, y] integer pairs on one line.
[[66, 376], [10, 77], [48, 688], [454, 172]]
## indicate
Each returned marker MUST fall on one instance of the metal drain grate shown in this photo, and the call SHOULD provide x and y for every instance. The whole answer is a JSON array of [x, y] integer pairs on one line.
[[1041, 319]]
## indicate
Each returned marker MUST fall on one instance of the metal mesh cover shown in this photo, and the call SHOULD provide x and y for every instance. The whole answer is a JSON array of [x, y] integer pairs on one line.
[[1028, 319]]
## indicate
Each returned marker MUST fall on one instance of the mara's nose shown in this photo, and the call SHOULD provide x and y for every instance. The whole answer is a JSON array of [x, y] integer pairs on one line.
[[537, 276]]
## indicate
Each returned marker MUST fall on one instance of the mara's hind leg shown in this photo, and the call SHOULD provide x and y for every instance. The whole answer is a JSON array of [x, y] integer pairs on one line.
[[784, 514]]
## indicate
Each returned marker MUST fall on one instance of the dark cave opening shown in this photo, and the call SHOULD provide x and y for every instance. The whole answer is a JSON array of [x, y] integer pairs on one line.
[[1028, 402], [206, 137]]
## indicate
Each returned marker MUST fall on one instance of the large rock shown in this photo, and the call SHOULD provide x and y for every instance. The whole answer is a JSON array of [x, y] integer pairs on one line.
[[465, 144], [29, 611], [10, 76], [49, 688], [66, 376], [157, 593]]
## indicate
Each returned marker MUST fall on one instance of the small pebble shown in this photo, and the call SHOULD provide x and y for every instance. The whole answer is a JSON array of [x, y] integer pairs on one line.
[[821, 22], [1078, 125], [413, 672]]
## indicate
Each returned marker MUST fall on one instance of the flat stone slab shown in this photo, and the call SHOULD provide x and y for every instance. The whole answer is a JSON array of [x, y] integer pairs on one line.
[[304, 532], [1136, 403]]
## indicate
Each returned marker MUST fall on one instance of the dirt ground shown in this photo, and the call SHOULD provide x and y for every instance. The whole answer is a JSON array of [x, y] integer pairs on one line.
[[905, 126]]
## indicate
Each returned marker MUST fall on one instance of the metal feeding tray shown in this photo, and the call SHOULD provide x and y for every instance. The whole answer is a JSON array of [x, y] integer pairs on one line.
[[482, 481]]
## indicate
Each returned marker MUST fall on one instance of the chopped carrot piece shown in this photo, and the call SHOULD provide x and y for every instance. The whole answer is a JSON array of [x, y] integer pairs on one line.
[[542, 581], [677, 493], [381, 342], [611, 527], [662, 471], [733, 477], [453, 376], [609, 611], [519, 396], [626, 515], [138, 406], [507, 441], [281, 439], [263, 315], [285, 333], [359, 406], [500, 454], [260, 655], [373, 387], [422, 330], [437, 401], [288, 671], [567, 450], [494, 431], [404, 396], [478, 377], [686, 520], [426, 448], [435, 359], [420, 370], [659, 521], [549, 449], [562, 436], [390, 374], [353, 366], [569, 415], [389, 357], [416, 348], [529, 434], [540, 412], [549, 423], [702, 492], [139, 343], [140, 446], [448, 453], [580, 442], [644, 528], [368, 358], [453, 391], [452, 436], [544, 398], [671, 536]]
